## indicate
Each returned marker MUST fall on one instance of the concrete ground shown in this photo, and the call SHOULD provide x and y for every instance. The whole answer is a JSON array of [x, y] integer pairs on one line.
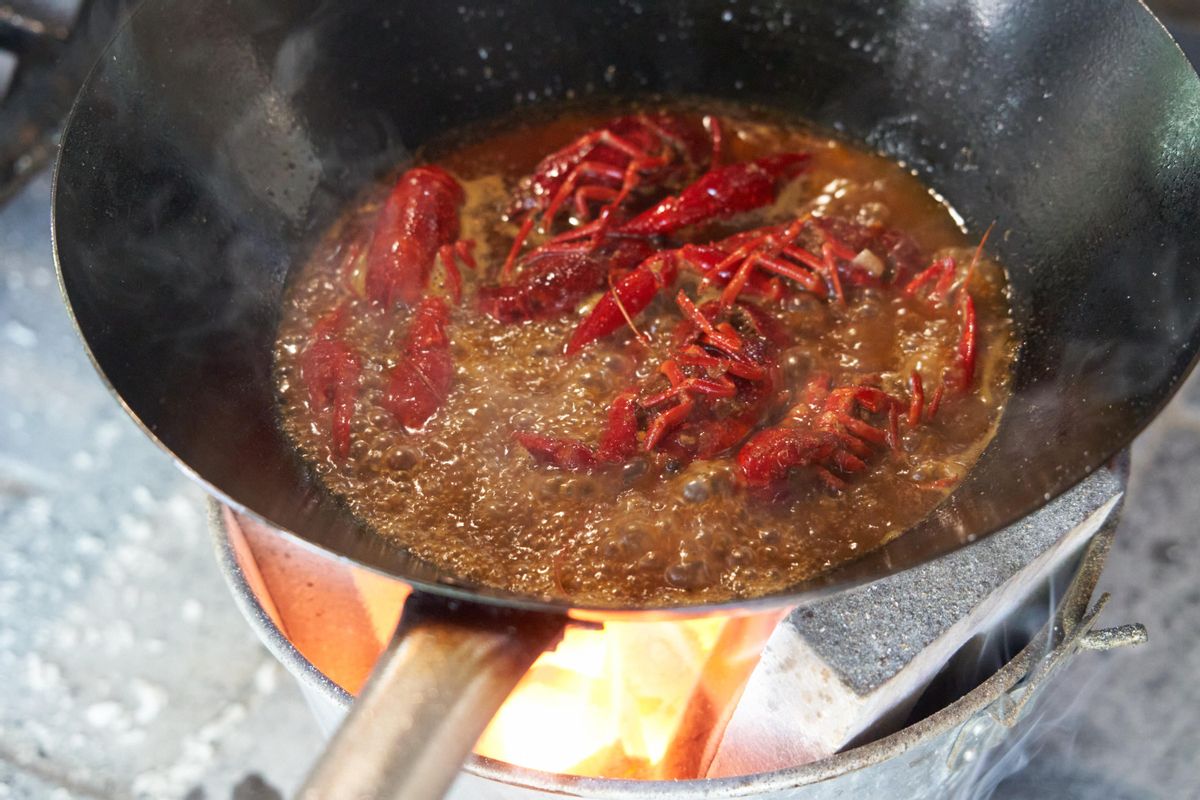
[[127, 672]]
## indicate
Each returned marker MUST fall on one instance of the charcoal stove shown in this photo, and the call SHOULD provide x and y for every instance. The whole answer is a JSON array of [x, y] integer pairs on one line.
[[858, 752], [938, 739]]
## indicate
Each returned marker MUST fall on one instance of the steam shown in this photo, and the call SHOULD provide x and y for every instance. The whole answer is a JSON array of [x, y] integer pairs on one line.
[[1027, 760], [988, 769], [1049, 727]]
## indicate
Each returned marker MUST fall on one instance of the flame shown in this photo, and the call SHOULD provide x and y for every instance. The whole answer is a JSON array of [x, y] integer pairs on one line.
[[631, 700], [613, 702]]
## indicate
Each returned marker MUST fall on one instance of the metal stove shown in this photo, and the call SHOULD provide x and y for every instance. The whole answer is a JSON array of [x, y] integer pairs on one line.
[[944, 731]]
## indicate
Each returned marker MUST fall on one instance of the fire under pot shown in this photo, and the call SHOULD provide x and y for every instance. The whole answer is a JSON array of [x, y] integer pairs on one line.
[[909, 687]]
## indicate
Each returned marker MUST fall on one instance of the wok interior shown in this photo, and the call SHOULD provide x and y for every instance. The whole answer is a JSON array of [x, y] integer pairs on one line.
[[214, 142]]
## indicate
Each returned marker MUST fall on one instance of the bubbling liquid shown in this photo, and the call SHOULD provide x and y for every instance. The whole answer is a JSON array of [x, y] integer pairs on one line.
[[462, 494]]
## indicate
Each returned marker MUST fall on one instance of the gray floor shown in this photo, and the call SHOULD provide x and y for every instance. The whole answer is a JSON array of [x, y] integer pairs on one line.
[[126, 671]]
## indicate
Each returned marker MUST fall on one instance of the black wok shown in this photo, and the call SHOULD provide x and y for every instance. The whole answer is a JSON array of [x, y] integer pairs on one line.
[[215, 140]]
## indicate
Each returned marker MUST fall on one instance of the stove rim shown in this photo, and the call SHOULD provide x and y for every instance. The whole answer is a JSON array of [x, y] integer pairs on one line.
[[953, 715]]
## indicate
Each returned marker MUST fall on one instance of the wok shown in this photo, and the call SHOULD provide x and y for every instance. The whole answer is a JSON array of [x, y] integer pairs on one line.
[[214, 141]]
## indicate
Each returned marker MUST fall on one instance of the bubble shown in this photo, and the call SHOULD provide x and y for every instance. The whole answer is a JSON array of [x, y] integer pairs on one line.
[[741, 556], [651, 560], [627, 545], [806, 315], [769, 536], [689, 575], [577, 488], [402, 458], [378, 417], [797, 363], [632, 470], [698, 489], [552, 486], [713, 540], [598, 381], [617, 364], [523, 419], [872, 213]]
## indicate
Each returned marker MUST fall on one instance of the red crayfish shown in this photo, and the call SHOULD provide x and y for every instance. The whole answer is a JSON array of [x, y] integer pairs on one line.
[[417, 226], [612, 165], [574, 264], [630, 153], [947, 288], [718, 390], [828, 432], [721, 378], [421, 381], [330, 369], [751, 262]]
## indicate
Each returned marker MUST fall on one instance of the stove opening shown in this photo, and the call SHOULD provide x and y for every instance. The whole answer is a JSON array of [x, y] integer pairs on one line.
[[632, 700]]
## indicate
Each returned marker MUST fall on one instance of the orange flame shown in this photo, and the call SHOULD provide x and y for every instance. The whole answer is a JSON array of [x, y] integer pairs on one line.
[[632, 700], [621, 690]]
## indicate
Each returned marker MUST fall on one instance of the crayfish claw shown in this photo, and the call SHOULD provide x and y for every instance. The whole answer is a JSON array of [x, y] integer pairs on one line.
[[330, 369], [420, 383]]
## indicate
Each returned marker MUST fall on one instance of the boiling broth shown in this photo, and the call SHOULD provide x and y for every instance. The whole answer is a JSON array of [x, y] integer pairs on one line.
[[461, 493]]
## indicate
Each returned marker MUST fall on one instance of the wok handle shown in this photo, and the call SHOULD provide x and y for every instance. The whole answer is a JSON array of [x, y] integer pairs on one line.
[[446, 672]]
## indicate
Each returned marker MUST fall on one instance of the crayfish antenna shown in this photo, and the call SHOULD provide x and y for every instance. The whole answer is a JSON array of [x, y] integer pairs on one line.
[[643, 340], [978, 253]]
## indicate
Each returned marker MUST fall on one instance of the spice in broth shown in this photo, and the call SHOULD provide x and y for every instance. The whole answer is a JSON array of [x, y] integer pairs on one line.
[[670, 357]]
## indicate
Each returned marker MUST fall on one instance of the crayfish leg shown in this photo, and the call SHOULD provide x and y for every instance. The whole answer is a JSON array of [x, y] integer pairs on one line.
[[566, 454], [330, 369]]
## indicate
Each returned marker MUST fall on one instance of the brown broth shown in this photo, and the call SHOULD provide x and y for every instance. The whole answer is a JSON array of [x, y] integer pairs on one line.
[[461, 494]]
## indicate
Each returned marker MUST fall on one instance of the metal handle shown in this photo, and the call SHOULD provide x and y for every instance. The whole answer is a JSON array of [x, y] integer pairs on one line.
[[1009, 706], [1129, 635], [446, 672]]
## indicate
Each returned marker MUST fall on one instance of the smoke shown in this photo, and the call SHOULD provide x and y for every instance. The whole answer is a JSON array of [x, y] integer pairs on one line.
[[1036, 756]]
